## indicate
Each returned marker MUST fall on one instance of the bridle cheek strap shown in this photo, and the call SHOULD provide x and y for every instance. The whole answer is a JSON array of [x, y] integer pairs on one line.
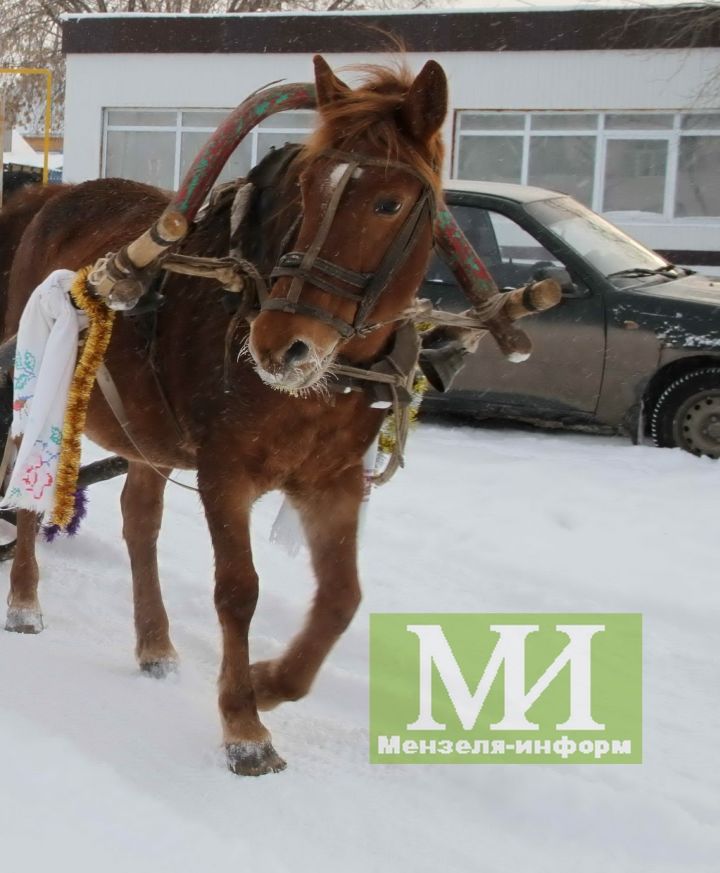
[[394, 257], [313, 251], [309, 267]]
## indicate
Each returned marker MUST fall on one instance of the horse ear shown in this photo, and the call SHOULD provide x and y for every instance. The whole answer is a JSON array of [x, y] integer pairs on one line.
[[327, 84], [425, 107]]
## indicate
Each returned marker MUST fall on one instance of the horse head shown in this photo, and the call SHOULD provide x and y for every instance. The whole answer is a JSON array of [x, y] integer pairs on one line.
[[369, 176]]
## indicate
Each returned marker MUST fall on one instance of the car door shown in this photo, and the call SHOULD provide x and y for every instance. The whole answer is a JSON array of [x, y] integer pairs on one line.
[[564, 373]]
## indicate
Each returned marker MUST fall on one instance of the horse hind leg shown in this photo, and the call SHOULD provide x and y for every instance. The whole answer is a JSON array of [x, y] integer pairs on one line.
[[24, 615], [332, 537], [142, 508]]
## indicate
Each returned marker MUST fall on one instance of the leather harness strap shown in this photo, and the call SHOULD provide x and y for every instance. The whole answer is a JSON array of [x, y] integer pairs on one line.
[[109, 390]]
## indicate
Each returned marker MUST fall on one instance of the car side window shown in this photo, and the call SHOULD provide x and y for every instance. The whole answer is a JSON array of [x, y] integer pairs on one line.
[[521, 255], [440, 286], [511, 255]]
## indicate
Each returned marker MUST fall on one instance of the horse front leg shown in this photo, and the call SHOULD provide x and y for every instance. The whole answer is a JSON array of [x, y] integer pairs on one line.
[[142, 509], [330, 519], [227, 505], [24, 615]]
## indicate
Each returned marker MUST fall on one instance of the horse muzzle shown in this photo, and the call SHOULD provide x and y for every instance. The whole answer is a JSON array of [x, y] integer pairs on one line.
[[297, 365]]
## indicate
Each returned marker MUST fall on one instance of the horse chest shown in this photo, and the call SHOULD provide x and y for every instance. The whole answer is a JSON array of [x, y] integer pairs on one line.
[[301, 440]]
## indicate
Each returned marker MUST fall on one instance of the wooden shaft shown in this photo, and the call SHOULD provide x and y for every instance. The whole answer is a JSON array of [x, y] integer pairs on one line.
[[172, 226], [514, 343], [536, 298], [169, 229]]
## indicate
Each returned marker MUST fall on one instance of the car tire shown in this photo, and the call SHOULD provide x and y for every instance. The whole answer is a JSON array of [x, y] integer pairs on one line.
[[687, 413]]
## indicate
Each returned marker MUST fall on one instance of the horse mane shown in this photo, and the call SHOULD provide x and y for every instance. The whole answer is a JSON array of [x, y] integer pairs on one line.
[[371, 114]]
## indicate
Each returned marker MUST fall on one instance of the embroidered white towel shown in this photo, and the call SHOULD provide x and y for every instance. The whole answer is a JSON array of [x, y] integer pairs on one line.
[[47, 346]]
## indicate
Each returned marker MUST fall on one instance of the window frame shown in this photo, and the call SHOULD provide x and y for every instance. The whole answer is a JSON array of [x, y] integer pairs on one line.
[[179, 128], [672, 135]]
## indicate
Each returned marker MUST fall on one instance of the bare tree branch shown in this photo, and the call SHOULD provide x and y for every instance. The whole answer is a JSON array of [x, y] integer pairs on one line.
[[684, 28], [30, 35]]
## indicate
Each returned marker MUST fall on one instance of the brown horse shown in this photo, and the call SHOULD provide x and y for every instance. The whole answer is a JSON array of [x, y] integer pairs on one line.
[[253, 432]]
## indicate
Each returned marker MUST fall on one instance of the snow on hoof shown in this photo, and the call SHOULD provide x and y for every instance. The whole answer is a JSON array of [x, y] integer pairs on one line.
[[24, 620], [159, 668], [253, 759]]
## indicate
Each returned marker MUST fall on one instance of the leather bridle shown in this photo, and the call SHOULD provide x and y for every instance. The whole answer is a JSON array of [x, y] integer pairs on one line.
[[364, 289]]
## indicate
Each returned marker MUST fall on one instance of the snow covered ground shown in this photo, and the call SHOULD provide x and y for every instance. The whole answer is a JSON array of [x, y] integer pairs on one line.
[[102, 769]]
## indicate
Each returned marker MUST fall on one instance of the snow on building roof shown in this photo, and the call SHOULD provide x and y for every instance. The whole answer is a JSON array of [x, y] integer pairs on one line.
[[470, 7], [23, 154], [614, 25]]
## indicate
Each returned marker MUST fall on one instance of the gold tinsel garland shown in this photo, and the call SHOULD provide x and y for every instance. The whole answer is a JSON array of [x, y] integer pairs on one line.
[[388, 437], [100, 320]]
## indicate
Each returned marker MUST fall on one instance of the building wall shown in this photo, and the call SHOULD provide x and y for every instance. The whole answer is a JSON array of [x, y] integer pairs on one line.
[[569, 80]]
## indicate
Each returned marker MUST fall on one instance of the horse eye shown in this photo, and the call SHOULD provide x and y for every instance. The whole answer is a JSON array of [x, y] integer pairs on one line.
[[388, 206]]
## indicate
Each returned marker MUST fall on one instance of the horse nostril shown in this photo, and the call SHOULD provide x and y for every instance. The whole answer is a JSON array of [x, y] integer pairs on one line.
[[296, 353]]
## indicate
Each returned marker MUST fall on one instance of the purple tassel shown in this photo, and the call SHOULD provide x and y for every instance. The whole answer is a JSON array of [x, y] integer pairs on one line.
[[52, 531]]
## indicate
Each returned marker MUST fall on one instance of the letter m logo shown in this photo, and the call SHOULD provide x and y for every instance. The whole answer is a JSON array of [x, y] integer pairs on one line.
[[510, 653], [520, 686]]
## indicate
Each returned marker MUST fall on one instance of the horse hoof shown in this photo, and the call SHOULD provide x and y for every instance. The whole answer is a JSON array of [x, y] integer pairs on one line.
[[253, 759], [24, 620], [160, 668]]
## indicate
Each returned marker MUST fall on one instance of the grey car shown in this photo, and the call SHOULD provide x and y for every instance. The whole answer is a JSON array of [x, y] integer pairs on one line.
[[633, 347]]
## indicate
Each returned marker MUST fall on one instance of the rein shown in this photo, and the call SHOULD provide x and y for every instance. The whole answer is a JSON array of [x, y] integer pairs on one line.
[[123, 279], [387, 382], [107, 386]]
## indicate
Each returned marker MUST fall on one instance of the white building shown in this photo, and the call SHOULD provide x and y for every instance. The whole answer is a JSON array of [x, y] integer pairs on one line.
[[614, 106]]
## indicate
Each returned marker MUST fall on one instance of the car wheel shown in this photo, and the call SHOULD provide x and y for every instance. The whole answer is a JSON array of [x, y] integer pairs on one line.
[[687, 413]]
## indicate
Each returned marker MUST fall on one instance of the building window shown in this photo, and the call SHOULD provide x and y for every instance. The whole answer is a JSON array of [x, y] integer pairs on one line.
[[157, 146], [698, 180], [644, 165]]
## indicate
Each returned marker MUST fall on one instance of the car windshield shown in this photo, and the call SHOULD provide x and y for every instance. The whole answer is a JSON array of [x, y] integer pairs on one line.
[[608, 249]]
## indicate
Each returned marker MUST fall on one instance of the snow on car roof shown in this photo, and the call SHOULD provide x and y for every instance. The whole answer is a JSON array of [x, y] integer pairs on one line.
[[506, 190]]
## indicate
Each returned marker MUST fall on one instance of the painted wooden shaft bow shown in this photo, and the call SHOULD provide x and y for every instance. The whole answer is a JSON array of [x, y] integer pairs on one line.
[[119, 276]]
